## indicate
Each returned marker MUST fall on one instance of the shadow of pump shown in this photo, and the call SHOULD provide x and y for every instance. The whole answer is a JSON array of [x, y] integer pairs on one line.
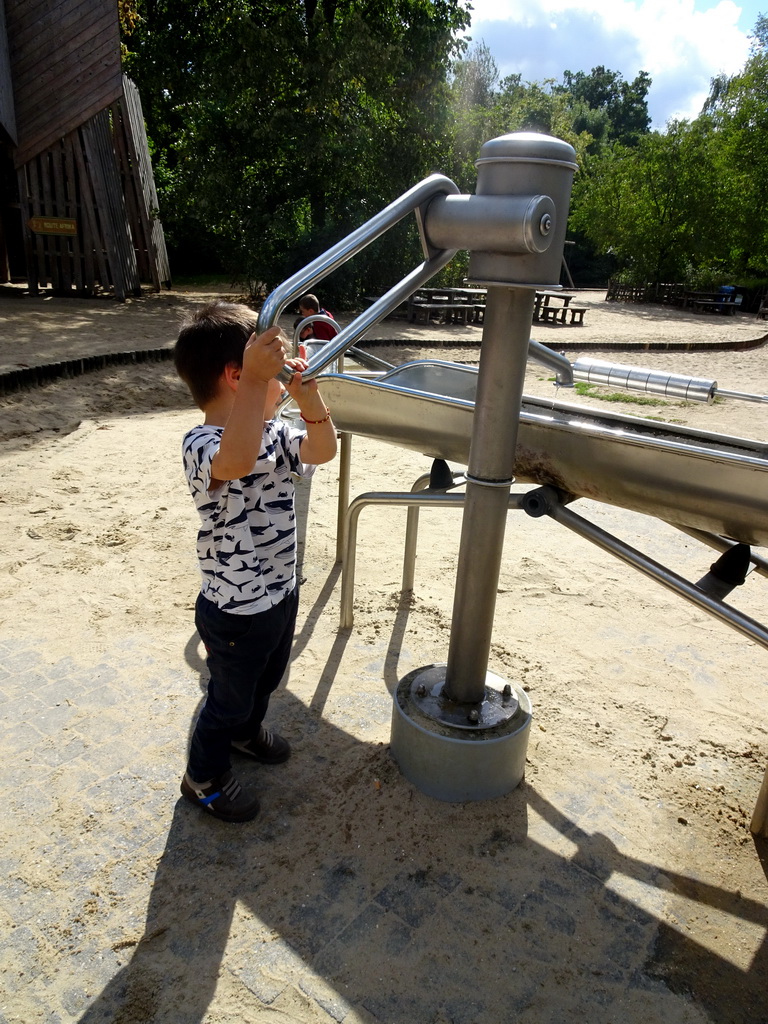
[[339, 890], [457, 915]]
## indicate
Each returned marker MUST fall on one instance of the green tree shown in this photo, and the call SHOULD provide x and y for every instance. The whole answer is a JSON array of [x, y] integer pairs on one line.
[[473, 115], [277, 127], [483, 108], [607, 106], [738, 107], [657, 207]]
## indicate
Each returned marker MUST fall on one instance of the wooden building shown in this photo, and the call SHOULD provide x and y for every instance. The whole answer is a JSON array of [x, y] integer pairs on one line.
[[78, 205]]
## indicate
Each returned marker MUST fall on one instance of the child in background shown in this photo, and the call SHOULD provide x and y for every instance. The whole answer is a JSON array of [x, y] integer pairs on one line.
[[309, 306], [239, 466]]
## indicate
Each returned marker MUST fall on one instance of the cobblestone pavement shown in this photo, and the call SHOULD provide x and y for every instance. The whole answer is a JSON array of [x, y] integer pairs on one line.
[[74, 898]]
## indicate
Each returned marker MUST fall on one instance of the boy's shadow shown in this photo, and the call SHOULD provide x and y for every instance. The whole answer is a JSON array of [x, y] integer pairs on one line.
[[340, 890], [206, 869]]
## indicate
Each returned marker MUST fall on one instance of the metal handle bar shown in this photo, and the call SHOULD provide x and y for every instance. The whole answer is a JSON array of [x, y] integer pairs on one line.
[[300, 282], [313, 318], [371, 361]]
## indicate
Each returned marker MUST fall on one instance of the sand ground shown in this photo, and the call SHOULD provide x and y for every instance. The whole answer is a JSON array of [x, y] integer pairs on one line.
[[618, 884]]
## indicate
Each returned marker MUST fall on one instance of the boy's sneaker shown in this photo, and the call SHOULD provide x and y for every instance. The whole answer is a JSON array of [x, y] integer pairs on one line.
[[267, 747], [222, 797]]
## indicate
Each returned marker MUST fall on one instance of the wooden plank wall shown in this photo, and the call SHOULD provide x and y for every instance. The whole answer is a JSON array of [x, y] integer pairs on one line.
[[100, 176], [78, 179], [7, 114], [65, 67]]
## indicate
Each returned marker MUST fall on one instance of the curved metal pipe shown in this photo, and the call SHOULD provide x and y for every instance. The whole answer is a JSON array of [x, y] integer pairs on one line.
[[326, 263], [554, 360], [408, 499], [366, 358], [383, 306], [311, 343], [313, 318], [351, 519]]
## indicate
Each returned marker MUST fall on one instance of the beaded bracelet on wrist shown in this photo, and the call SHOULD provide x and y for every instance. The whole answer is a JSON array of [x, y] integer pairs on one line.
[[315, 422]]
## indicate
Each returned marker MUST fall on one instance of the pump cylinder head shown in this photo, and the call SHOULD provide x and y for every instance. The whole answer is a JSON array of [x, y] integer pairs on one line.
[[526, 164]]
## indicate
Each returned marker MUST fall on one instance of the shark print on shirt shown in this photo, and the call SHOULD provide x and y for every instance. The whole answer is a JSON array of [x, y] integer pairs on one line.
[[246, 545]]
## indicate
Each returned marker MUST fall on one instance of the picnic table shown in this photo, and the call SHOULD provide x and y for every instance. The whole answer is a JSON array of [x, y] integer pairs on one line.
[[554, 307], [447, 305], [467, 306], [711, 302]]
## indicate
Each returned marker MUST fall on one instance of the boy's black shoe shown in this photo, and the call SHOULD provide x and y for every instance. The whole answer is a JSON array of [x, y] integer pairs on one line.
[[267, 747], [222, 797]]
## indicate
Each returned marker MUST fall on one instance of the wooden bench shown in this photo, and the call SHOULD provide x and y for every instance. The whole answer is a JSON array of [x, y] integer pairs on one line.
[[552, 314], [577, 314]]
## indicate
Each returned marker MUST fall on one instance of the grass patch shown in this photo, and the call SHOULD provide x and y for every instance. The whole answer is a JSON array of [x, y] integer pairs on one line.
[[583, 387]]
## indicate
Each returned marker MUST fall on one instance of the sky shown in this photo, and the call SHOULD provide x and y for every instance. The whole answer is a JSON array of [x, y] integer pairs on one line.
[[682, 44]]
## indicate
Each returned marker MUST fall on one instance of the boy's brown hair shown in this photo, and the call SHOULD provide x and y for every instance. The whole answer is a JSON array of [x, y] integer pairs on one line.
[[211, 338]]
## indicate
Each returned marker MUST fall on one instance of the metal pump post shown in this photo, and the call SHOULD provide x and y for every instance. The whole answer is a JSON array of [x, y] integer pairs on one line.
[[458, 732]]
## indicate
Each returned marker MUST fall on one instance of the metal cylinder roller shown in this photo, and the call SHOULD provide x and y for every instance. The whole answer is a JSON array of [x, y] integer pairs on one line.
[[636, 378]]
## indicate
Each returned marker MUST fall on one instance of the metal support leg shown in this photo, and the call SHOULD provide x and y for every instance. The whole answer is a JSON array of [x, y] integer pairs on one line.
[[759, 823], [411, 535], [408, 500], [506, 331], [458, 731], [345, 464]]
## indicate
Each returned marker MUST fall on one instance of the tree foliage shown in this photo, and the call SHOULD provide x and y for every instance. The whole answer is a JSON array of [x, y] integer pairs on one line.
[[691, 203], [590, 111], [739, 111], [606, 106], [656, 205], [277, 127]]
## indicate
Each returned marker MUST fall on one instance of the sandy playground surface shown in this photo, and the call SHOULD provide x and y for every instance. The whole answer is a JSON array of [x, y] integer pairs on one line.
[[619, 884]]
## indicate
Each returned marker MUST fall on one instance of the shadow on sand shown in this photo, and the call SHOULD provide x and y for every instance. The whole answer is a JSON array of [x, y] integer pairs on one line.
[[341, 893]]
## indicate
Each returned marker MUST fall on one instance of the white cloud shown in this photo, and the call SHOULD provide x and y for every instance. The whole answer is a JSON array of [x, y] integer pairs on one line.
[[681, 47]]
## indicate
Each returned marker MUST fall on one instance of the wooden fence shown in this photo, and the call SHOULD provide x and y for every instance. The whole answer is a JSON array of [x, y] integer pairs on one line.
[[649, 292]]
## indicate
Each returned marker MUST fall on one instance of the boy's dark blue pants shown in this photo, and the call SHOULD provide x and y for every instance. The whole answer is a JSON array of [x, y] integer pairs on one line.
[[247, 656]]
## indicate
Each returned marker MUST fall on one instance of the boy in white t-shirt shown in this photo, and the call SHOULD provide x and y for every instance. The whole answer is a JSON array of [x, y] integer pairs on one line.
[[239, 466]]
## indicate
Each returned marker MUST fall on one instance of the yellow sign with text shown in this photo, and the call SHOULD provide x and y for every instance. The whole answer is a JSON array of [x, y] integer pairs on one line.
[[52, 225]]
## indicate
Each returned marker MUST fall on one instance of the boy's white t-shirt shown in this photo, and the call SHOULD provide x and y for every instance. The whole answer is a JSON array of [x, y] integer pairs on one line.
[[246, 545]]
